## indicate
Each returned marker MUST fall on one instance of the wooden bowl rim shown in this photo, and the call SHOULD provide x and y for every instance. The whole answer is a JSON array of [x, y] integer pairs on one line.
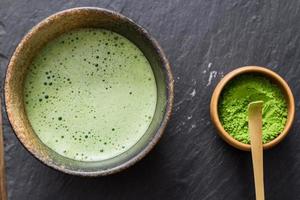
[[265, 72]]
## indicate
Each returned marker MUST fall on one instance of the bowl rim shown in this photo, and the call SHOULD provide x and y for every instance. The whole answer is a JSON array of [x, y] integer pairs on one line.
[[244, 70], [169, 93]]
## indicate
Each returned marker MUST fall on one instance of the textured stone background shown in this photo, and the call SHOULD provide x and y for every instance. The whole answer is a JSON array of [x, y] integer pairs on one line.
[[203, 39]]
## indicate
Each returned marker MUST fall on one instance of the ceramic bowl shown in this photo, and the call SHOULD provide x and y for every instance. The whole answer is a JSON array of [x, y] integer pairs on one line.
[[275, 78], [51, 28]]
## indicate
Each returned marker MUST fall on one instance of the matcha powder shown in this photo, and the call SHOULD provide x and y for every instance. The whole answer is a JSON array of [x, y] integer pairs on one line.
[[233, 107]]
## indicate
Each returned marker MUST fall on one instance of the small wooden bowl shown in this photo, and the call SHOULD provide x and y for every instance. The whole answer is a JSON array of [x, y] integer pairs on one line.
[[54, 26], [256, 70]]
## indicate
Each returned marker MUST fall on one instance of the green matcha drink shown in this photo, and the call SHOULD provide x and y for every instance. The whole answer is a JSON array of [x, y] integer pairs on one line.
[[233, 107], [90, 94]]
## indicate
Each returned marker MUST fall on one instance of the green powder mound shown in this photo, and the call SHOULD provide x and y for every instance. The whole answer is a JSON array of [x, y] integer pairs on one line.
[[233, 107]]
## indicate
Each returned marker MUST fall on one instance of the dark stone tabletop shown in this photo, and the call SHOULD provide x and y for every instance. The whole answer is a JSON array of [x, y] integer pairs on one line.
[[203, 39]]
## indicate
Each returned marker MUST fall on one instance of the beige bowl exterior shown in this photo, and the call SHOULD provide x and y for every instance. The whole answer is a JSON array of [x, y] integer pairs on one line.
[[258, 70], [49, 29]]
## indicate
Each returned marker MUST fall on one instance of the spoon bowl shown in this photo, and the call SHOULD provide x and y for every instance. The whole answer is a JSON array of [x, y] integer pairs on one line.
[[255, 132]]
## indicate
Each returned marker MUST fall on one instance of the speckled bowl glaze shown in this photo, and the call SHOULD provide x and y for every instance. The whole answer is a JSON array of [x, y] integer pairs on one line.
[[275, 78], [56, 25]]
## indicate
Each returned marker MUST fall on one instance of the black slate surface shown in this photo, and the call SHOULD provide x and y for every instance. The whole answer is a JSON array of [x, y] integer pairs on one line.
[[203, 39]]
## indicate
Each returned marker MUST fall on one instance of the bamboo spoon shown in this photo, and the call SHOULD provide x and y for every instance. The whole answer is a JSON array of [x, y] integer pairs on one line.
[[255, 129], [3, 194]]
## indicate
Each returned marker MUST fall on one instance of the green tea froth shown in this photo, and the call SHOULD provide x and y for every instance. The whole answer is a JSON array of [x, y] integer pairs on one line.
[[90, 94]]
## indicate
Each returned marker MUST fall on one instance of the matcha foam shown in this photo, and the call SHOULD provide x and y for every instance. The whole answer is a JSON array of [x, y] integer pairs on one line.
[[90, 94], [233, 107]]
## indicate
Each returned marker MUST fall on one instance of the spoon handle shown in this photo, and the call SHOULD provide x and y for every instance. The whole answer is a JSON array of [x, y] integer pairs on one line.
[[3, 194], [255, 129]]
